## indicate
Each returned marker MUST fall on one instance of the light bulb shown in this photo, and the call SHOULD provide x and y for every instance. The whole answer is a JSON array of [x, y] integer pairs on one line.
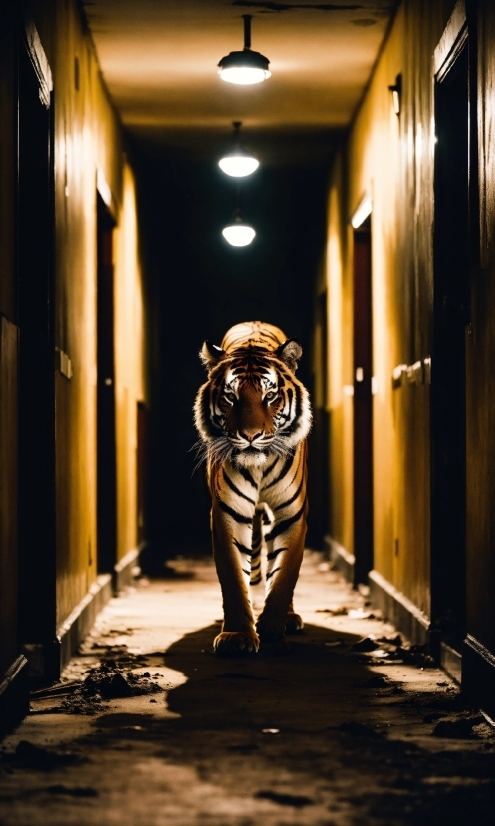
[[239, 235], [244, 75], [238, 166]]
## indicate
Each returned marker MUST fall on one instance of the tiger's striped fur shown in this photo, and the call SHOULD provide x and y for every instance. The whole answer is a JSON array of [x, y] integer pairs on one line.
[[253, 416]]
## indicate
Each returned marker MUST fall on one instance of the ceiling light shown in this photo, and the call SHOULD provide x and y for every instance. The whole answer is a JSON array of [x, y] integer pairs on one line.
[[246, 67], [238, 233], [238, 163]]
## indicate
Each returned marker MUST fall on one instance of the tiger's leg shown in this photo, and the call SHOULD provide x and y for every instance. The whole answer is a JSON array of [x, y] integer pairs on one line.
[[232, 554], [284, 558], [256, 546], [294, 622]]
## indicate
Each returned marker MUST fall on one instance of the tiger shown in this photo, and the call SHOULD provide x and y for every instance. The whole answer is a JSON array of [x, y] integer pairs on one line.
[[253, 417]]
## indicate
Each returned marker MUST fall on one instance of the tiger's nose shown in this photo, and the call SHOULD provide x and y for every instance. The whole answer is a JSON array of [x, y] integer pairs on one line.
[[251, 435]]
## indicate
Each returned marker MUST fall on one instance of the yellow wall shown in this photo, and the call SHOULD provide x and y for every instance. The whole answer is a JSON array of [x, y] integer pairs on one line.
[[130, 366], [88, 137], [339, 313], [390, 158], [373, 163]]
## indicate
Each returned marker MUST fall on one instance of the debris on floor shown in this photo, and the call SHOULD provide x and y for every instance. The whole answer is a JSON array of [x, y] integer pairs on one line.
[[460, 728], [107, 683], [358, 729], [28, 755], [73, 791], [296, 800]]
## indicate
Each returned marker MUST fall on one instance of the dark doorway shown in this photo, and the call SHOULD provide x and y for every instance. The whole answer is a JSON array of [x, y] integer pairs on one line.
[[142, 466], [319, 448], [35, 222], [106, 442], [363, 405], [450, 316]]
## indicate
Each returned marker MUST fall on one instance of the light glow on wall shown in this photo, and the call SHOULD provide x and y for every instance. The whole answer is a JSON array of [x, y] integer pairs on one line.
[[362, 212]]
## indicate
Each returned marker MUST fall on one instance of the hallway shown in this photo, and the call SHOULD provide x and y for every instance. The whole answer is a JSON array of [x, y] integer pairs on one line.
[[358, 250], [339, 731]]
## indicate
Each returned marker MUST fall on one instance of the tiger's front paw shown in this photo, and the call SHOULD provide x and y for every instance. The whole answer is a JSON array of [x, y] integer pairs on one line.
[[294, 623], [270, 629], [236, 643]]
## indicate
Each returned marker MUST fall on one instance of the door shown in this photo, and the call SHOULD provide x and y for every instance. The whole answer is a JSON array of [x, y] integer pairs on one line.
[[106, 439], [363, 407], [142, 468], [450, 316], [35, 226], [319, 449]]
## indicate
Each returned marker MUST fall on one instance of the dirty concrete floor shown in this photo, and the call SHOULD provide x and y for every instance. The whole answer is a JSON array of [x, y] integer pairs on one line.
[[325, 734]]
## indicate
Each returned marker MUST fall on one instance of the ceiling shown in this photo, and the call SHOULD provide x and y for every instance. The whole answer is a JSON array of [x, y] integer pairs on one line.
[[159, 59]]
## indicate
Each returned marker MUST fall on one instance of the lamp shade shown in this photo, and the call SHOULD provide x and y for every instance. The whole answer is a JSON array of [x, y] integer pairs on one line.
[[244, 68], [238, 164], [238, 233]]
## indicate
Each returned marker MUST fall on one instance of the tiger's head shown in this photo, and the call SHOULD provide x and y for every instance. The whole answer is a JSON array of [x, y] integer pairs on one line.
[[252, 406]]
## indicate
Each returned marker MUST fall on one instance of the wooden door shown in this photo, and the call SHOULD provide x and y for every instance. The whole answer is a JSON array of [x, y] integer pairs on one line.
[[450, 316], [142, 468], [363, 413], [106, 437], [35, 227]]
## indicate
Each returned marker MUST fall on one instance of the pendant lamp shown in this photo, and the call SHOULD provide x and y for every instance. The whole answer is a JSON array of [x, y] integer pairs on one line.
[[239, 162], [238, 233], [246, 67]]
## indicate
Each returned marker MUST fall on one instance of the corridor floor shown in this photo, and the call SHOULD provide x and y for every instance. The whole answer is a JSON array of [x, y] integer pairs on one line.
[[327, 733]]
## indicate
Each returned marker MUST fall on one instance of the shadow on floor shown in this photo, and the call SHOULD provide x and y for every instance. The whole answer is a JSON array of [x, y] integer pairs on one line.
[[306, 732]]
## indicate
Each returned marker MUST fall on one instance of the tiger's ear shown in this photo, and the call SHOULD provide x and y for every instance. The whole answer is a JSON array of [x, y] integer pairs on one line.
[[210, 354], [289, 352]]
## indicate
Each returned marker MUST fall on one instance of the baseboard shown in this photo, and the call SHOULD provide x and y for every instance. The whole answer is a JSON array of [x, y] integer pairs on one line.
[[343, 561], [77, 625], [46, 661], [123, 572], [478, 674], [398, 609], [14, 695], [451, 662]]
